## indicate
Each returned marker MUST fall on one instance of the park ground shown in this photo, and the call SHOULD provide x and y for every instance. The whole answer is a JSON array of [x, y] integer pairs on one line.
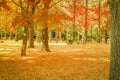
[[65, 62]]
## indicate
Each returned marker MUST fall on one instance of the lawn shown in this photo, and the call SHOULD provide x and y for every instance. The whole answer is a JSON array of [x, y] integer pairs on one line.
[[65, 62]]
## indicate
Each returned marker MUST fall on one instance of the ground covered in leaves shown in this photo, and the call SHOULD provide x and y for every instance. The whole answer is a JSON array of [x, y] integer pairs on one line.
[[65, 62]]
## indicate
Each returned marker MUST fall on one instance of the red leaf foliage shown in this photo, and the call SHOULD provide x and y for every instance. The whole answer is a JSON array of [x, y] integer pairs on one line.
[[31, 3], [13, 30], [5, 5], [46, 1]]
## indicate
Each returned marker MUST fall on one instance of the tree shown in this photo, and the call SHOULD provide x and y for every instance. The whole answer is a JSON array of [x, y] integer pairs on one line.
[[25, 18], [86, 23], [31, 27], [44, 16], [74, 17], [99, 22], [47, 5], [115, 40]]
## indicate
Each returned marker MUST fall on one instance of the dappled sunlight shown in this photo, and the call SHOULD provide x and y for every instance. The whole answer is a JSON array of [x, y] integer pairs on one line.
[[105, 59], [5, 58], [64, 61], [5, 49], [92, 59], [26, 58], [5, 52]]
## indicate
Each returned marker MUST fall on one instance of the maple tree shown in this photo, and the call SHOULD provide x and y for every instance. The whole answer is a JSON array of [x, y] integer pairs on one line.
[[26, 18], [45, 15]]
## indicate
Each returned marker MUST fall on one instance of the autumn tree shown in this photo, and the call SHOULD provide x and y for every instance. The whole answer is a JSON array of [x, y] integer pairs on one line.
[[47, 5], [86, 23], [44, 15], [115, 40], [33, 5], [4, 20], [25, 17], [107, 23]]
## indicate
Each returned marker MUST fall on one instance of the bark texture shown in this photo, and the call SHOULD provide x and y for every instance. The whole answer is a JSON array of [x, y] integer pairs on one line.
[[31, 37], [24, 44], [115, 40], [31, 30]]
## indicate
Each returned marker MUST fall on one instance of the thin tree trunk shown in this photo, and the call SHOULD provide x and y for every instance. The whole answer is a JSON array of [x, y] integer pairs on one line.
[[5, 35], [91, 36], [84, 38], [99, 23], [74, 24], [98, 35], [57, 36], [50, 37], [1, 36], [106, 36], [38, 38], [115, 40], [16, 37], [86, 22], [78, 36], [24, 44], [11, 36], [67, 36]]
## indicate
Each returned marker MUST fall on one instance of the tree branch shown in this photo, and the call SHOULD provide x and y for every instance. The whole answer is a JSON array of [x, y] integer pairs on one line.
[[21, 4], [55, 3], [16, 3]]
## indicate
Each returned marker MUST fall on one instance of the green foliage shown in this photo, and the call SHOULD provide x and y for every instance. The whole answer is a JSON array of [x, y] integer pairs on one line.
[[20, 32], [53, 33], [64, 33]]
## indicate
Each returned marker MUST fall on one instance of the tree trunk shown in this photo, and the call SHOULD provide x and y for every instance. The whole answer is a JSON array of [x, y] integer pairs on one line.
[[115, 40], [98, 35], [91, 36], [38, 38], [106, 36], [67, 36], [5, 35], [31, 30], [84, 38], [45, 46], [16, 37], [99, 23], [50, 36], [11, 36], [78, 36], [86, 22], [31, 37], [74, 24], [24, 44], [1, 36], [57, 36], [44, 16]]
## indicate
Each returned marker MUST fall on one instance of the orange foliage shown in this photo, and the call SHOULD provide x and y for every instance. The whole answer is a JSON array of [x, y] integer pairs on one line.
[[13, 30], [46, 1], [5, 5], [31, 3]]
